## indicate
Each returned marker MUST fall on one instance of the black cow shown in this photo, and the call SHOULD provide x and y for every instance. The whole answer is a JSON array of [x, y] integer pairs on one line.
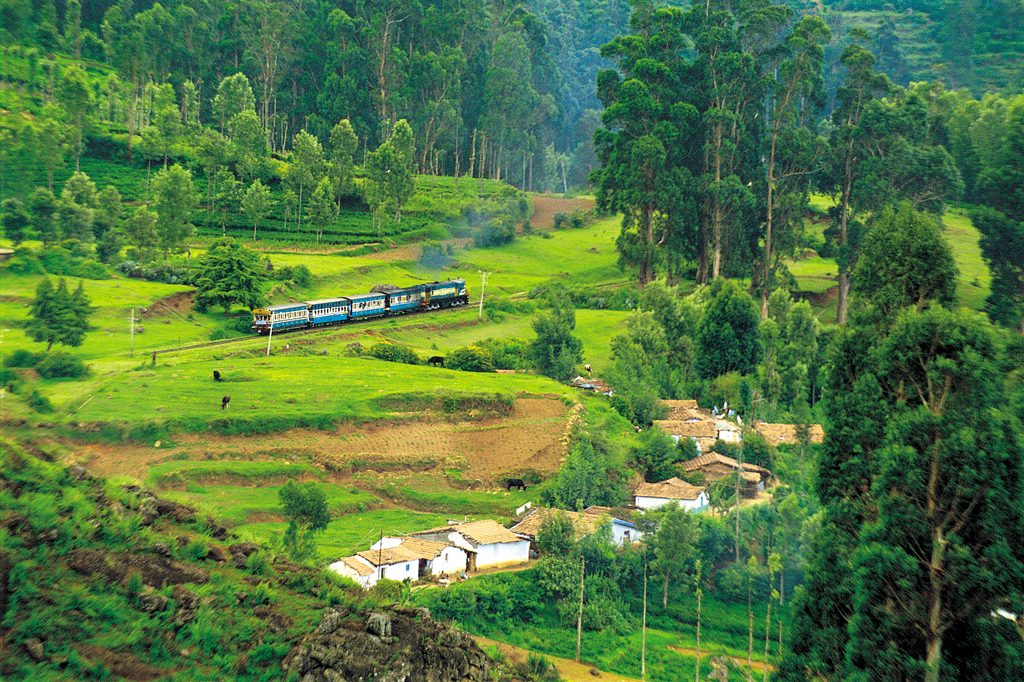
[[436, 360], [224, 402], [216, 375], [515, 483]]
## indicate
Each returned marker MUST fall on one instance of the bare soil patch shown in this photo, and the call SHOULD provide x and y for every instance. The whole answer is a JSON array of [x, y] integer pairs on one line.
[[175, 304], [531, 437], [546, 206]]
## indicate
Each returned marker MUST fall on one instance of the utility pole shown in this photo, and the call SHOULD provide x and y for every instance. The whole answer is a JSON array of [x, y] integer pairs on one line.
[[380, 556], [643, 631], [271, 334], [483, 283], [131, 331], [579, 617]]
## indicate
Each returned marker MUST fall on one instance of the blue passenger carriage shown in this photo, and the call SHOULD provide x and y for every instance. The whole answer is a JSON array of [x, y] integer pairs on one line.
[[280, 317], [365, 306], [328, 311], [401, 301]]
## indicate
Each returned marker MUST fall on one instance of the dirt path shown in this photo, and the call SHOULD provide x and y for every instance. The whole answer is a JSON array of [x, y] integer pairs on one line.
[[546, 206], [569, 670]]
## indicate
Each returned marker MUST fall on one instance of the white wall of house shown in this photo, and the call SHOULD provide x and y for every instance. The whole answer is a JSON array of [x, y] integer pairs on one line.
[[623, 534], [730, 435], [365, 581], [699, 504], [450, 560], [402, 570], [386, 543], [502, 553]]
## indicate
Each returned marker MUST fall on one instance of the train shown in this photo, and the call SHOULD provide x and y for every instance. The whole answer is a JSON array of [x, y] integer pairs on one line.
[[389, 301]]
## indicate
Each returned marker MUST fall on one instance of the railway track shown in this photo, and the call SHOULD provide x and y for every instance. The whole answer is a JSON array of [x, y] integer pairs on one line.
[[290, 334]]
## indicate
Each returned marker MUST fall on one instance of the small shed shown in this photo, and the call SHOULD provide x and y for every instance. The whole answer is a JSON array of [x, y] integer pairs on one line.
[[487, 543], [728, 432], [394, 563], [687, 496], [357, 569]]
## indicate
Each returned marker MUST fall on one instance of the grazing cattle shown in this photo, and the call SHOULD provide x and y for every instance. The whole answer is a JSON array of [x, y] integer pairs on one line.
[[224, 402], [216, 375], [587, 367], [515, 483], [436, 360]]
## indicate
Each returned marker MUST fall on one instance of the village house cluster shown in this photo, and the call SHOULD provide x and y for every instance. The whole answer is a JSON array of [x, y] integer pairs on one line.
[[458, 550]]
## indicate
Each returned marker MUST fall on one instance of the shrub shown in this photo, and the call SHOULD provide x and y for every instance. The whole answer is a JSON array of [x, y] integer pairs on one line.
[[436, 256], [23, 358], [61, 365], [731, 583], [470, 359], [24, 262], [394, 353], [38, 402], [299, 275]]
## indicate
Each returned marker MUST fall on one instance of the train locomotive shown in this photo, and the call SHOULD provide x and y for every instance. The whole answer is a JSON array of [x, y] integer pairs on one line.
[[385, 302]]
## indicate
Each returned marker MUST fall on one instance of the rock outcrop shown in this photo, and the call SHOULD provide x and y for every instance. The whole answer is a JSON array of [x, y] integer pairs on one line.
[[400, 645]]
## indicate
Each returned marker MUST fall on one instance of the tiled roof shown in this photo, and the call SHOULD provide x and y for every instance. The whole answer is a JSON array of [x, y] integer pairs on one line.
[[486, 532], [778, 434], [583, 522], [717, 458], [672, 489], [693, 429], [679, 409], [386, 557], [423, 549], [356, 565]]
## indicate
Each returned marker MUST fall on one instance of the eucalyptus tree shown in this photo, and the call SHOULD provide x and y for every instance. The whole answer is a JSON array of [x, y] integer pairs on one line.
[[647, 135]]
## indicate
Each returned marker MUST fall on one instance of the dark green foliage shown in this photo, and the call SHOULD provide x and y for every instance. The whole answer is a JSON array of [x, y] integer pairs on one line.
[[305, 507], [393, 352], [727, 335], [436, 256], [589, 476], [911, 527], [470, 359], [61, 365], [299, 275], [23, 358], [228, 273], [15, 220], [555, 351], [655, 454], [59, 316], [904, 262]]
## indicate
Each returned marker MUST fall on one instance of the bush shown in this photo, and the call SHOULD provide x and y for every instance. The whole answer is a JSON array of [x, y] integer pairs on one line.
[[61, 365], [168, 273], [394, 353], [299, 275], [38, 402], [731, 583], [24, 262], [436, 256], [23, 358], [470, 359]]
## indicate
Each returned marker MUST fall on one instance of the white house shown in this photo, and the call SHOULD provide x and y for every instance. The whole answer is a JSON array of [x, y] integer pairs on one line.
[[487, 543], [355, 568], [623, 532], [728, 432], [688, 497], [435, 558], [395, 563]]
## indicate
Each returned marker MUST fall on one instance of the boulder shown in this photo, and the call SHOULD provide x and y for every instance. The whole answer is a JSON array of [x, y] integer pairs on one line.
[[399, 645], [187, 605], [35, 649], [151, 602], [240, 552]]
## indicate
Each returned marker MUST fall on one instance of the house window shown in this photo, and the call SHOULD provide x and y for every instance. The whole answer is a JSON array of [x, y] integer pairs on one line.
[[407, 568]]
